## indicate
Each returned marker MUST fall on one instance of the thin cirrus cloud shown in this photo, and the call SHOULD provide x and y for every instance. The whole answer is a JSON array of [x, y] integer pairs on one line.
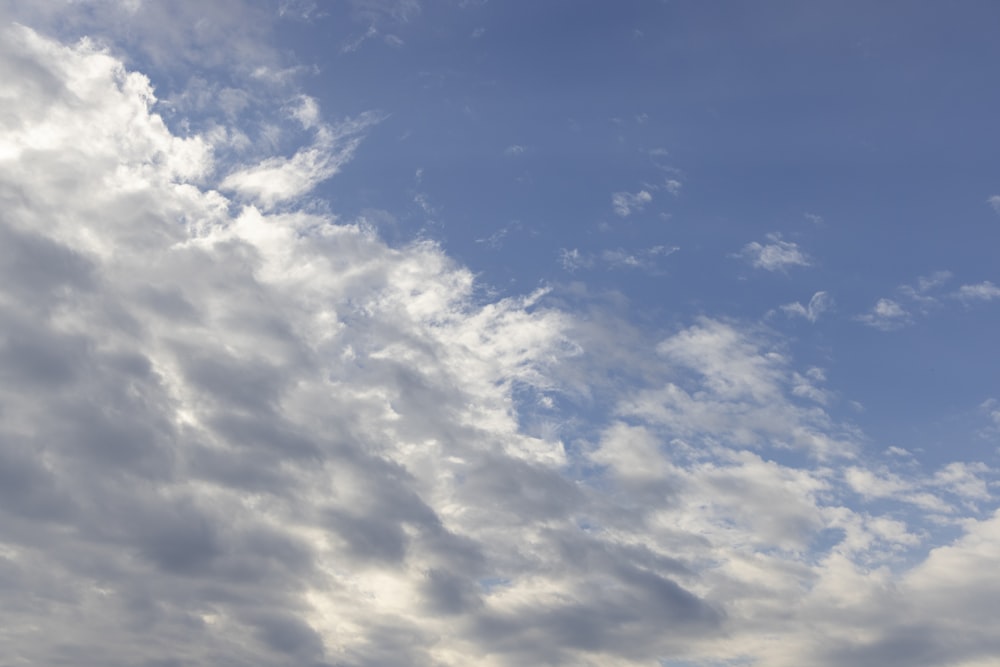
[[236, 430]]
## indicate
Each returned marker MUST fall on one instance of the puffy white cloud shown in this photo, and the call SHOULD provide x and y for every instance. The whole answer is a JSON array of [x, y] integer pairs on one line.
[[774, 255]]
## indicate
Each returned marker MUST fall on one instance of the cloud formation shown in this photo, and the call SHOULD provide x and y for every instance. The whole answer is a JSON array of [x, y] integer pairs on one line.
[[984, 291], [233, 431], [886, 315], [774, 255], [627, 203], [820, 303]]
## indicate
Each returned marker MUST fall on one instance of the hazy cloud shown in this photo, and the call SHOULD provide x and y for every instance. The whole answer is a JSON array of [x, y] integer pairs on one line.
[[820, 303], [626, 203], [886, 315]]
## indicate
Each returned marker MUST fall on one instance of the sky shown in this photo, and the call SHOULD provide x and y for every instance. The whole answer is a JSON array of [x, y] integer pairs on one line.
[[354, 333]]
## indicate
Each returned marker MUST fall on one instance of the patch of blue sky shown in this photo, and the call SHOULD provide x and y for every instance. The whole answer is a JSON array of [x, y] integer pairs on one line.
[[642, 147]]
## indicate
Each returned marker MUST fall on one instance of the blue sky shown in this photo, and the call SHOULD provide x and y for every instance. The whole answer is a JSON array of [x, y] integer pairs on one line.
[[366, 332], [859, 132]]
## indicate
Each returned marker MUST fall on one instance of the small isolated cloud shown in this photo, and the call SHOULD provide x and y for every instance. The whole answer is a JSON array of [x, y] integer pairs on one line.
[[814, 219], [355, 43], [478, 32], [673, 186], [626, 203], [393, 41], [514, 150], [572, 259], [923, 291], [774, 255], [984, 291], [885, 315], [991, 407], [641, 259], [818, 304], [994, 201]]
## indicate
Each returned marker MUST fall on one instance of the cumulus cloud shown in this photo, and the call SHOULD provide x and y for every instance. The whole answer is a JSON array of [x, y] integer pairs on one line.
[[774, 255], [994, 201], [234, 432], [627, 203]]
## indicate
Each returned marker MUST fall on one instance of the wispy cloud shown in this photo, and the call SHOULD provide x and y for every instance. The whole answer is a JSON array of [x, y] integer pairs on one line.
[[626, 203], [886, 315], [641, 259], [279, 179], [514, 150], [820, 303], [994, 201], [926, 290], [775, 254]]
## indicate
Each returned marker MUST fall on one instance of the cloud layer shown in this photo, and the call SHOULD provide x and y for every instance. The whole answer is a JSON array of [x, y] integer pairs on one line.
[[238, 433]]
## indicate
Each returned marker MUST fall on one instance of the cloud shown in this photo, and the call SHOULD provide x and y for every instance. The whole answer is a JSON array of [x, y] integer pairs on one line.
[[994, 201], [626, 203], [775, 255], [571, 259], [820, 303], [923, 291], [984, 291], [886, 315], [242, 433], [279, 179], [514, 150]]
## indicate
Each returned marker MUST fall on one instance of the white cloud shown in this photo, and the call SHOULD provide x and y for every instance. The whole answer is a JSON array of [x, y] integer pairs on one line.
[[645, 258], [355, 43], [673, 186], [626, 203], [820, 303], [514, 150], [774, 255], [925, 291], [279, 179], [886, 315], [984, 291], [994, 201], [236, 435]]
